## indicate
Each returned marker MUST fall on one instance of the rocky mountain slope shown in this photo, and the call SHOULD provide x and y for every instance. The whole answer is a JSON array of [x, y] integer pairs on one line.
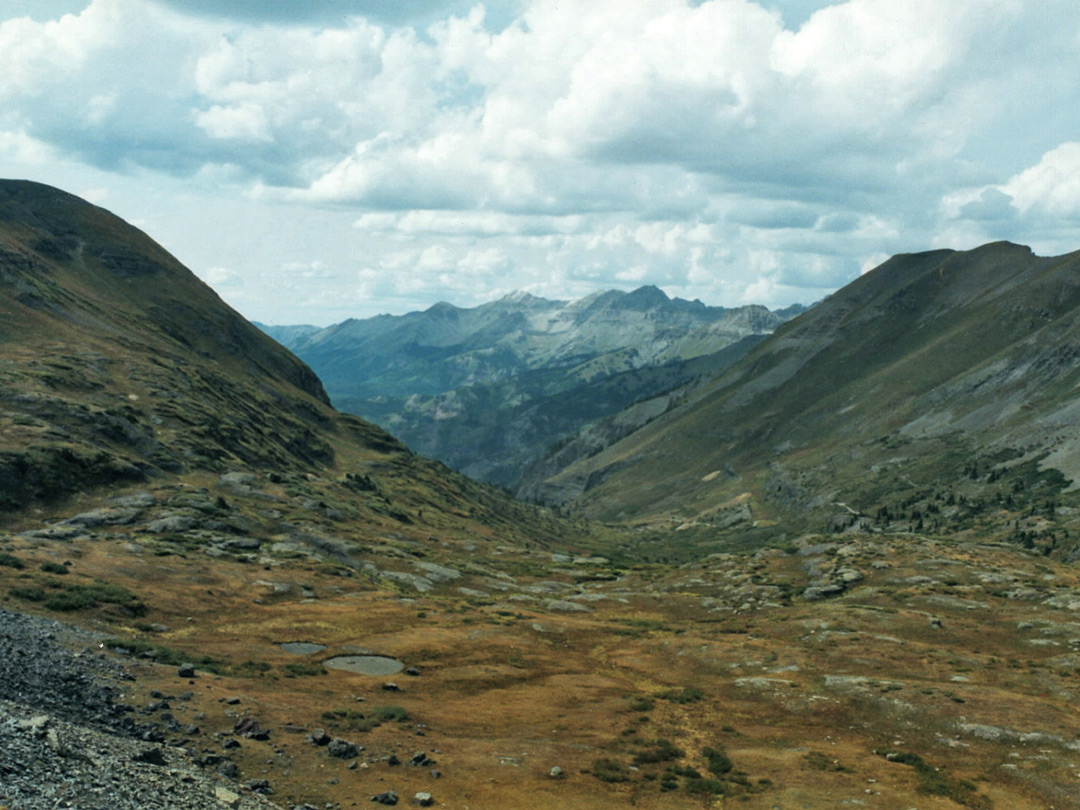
[[487, 390], [935, 388]]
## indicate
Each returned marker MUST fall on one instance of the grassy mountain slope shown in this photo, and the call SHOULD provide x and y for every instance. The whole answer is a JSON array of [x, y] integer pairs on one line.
[[487, 390], [936, 377]]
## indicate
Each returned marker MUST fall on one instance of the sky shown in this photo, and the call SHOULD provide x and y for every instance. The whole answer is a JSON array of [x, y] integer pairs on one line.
[[315, 160]]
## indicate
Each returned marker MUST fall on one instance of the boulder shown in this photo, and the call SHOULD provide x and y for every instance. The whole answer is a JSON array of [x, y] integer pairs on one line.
[[342, 749]]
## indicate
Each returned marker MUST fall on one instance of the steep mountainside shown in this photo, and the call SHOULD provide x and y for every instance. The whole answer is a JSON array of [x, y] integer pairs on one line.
[[119, 365], [487, 390], [938, 387]]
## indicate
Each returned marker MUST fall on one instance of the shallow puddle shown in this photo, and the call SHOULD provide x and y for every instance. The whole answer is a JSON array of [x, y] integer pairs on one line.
[[365, 664]]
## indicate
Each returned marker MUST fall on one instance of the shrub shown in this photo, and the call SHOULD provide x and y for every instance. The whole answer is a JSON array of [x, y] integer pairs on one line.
[[161, 655], [31, 593], [683, 770], [704, 787], [54, 568], [936, 782], [661, 751], [11, 561], [389, 714], [610, 770], [642, 704], [356, 721], [683, 696], [84, 597], [719, 763], [250, 669]]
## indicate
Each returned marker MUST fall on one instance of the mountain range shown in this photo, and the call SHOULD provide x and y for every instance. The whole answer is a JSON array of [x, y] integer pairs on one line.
[[488, 390]]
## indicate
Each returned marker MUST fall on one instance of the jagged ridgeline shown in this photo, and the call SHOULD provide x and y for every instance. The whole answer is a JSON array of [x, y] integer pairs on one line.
[[490, 389], [932, 393], [118, 365]]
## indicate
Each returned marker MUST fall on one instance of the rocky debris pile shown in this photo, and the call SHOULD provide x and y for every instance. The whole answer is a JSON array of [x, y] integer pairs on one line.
[[66, 742], [47, 763], [37, 670]]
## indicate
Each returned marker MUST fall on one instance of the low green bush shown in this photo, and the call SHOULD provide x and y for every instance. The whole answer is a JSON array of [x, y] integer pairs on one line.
[[705, 787], [659, 751], [30, 593], [162, 655], [719, 763], [683, 696], [303, 669], [610, 770]]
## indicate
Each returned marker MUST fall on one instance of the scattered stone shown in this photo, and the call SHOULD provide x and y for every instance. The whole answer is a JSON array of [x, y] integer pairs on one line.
[[436, 572], [319, 737], [261, 786], [389, 797], [151, 756], [173, 524], [105, 516], [186, 671], [226, 797], [566, 606], [136, 500], [249, 728], [556, 773], [423, 800], [341, 749], [413, 671], [821, 589]]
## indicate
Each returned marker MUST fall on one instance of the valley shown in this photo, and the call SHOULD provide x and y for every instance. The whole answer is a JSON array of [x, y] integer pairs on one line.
[[839, 571], [937, 673]]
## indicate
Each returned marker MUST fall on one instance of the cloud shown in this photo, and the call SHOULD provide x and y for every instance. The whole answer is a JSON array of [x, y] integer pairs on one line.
[[1052, 186], [288, 12], [718, 148]]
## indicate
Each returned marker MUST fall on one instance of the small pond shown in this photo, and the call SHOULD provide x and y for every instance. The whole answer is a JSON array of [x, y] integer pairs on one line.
[[365, 664], [302, 647]]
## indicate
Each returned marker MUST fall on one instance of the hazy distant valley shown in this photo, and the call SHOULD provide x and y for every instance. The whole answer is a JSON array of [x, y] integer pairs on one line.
[[830, 562], [491, 390]]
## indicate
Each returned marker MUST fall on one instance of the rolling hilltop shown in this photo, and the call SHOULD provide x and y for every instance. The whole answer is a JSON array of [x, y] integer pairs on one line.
[[488, 390], [845, 575], [939, 387]]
